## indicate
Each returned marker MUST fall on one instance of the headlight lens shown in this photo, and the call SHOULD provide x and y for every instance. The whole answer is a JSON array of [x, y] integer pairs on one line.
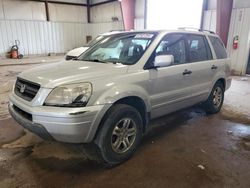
[[72, 95]]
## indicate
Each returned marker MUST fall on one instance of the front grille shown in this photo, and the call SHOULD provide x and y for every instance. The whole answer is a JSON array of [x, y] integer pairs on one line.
[[26, 89], [22, 113]]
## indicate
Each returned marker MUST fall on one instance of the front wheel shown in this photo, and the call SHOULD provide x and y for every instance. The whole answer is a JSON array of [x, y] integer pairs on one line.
[[119, 135], [215, 100]]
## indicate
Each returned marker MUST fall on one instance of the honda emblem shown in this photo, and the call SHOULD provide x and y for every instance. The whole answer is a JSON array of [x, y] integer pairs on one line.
[[22, 88]]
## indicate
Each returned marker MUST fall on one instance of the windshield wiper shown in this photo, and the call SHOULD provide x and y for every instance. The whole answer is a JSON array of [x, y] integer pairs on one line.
[[99, 61]]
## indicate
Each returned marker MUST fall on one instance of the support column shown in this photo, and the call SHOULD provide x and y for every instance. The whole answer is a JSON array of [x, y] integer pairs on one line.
[[88, 12], [128, 13], [47, 10], [223, 11]]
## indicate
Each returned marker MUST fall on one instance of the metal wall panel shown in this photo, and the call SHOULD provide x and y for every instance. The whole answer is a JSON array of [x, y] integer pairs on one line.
[[1, 10], [38, 37], [97, 28], [23, 10], [241, 4], [66, 13], [212, 4], [139, 8], [26, 22], [104, 13], [27, 10], [139, 24], [209, 20], [240, 26]]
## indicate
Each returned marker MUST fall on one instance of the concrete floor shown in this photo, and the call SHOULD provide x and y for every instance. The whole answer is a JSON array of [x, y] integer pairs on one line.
[[185, 149]]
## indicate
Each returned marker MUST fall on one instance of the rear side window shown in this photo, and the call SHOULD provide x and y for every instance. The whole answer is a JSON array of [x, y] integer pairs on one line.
[[198, 49], [218, 47]]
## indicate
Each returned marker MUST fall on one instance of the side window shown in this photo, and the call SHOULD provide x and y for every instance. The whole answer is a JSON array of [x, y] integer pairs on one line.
[[173, 44], [198, 49], [218, 47]]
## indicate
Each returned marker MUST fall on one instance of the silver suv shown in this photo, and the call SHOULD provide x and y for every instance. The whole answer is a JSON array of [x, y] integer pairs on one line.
[[107, 96]]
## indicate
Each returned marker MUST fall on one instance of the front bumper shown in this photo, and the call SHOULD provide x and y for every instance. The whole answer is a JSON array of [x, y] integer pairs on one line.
[[71, 125]]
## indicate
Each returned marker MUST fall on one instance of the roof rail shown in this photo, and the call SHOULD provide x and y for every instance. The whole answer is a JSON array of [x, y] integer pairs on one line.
[[196, 29], [188, 28], [212, 32]]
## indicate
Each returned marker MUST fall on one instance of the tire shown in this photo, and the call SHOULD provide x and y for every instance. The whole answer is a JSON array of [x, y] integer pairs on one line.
[[215, 100], [122, 126]]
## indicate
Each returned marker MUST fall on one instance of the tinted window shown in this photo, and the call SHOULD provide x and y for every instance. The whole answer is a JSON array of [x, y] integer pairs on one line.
[[198, 49], [173, 44], [218, 47]]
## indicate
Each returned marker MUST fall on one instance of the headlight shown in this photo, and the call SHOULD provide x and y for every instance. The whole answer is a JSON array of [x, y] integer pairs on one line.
[[72, 95]]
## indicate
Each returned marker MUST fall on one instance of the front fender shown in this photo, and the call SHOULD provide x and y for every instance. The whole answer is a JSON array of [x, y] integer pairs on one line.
[[121, 91]]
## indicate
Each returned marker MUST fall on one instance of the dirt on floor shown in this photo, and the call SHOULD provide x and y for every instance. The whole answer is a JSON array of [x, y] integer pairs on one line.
[[185, 149]]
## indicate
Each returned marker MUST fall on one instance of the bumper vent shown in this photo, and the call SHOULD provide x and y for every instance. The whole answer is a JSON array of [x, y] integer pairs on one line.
[[26, 89]]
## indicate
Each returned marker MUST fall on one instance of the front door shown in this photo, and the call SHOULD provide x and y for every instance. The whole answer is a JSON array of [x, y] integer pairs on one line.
[[171, 86]]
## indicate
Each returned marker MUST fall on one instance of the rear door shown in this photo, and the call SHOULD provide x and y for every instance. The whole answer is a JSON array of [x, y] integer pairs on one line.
[[200, 60], [221, 58]]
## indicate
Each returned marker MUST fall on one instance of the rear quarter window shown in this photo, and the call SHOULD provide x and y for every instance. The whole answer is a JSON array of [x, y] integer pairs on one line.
[[218, 47]]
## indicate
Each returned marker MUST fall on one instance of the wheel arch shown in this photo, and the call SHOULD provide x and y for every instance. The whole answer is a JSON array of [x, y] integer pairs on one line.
[[223, 81], [137, 102]]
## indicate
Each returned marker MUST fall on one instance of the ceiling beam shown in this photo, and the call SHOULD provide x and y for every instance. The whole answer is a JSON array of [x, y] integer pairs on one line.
[[76, 4], [103, 2], [60, 2]]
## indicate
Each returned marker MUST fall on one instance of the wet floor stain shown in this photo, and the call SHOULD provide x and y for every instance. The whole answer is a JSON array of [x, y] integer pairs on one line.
[[234, 115], [245, 143], [169, 155], [10, 131], [185, 149]]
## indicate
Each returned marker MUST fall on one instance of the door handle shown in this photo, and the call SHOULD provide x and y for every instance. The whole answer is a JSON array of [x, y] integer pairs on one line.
[[214, 67], [187, 72]]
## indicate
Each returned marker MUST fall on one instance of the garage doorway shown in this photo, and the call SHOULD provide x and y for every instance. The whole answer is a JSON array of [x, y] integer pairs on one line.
[[169, 14]]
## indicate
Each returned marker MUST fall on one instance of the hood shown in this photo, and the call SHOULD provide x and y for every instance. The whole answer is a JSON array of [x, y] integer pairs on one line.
[[77, 51], [52, 75]]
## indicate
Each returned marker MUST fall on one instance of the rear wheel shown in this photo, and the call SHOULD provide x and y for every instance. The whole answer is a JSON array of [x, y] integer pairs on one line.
[[119, 135], [215, 99]]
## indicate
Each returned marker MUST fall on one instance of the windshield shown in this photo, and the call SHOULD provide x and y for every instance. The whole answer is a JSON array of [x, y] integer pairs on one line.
[[126, 49]]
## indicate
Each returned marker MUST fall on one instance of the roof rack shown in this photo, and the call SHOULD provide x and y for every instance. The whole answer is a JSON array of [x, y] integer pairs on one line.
[[212, 32], [196, 29]]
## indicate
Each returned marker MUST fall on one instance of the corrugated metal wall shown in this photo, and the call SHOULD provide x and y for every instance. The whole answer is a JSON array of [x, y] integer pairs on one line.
[[139, 24], [67, 29], [240, 26], [39, 37], [209, 20], [139, 14]]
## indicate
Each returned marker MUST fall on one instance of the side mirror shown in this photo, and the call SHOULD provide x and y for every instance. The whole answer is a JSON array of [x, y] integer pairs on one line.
[[163, 60]]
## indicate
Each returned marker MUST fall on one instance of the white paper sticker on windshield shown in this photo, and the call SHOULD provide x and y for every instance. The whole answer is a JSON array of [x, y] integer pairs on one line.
[[144, 36]]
